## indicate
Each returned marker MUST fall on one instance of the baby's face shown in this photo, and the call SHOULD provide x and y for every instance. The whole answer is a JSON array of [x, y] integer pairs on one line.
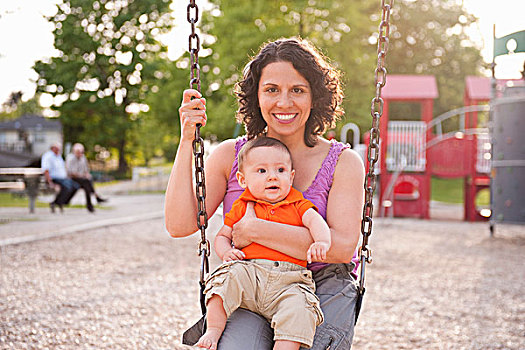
[[268, 174]]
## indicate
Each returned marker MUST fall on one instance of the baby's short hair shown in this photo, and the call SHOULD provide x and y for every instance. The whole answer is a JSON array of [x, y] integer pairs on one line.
[[261, 141]]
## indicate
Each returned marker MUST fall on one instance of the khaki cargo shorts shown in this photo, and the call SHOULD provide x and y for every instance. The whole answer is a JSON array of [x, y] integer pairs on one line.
[[282, 292]]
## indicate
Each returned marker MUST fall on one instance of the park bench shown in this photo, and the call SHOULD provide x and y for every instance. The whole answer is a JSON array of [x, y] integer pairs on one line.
[[26, 181]]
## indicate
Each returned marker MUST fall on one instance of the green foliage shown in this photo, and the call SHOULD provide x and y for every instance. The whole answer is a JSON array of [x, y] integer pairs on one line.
[[15, 107], [428, 37], [109, 62], [31, 106], [157, 131], [447, 190], [104, 53], [237, 29], [11, 104], [452, 191], [21, 200], [18, 200]]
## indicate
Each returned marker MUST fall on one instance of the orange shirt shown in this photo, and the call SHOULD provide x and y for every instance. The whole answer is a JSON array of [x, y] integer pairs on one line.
[[288, 211]]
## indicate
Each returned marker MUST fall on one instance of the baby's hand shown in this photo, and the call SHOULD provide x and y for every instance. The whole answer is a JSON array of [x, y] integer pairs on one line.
[[233, 254], [317, 251]]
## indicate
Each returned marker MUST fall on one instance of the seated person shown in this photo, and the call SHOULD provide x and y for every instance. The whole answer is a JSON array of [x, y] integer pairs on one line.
[[56, 175], [260, 279], [78, 170]]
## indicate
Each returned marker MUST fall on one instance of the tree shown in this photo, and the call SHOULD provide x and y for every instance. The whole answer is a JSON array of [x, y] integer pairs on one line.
[[15, 106], [99, 76], [428, 37], [340, 29], [161, 121], [12, 101]]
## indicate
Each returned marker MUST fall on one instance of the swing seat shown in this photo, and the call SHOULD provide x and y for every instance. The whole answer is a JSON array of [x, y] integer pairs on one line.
[[192, 335]]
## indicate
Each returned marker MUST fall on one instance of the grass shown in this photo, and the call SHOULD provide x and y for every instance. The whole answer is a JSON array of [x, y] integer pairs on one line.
[[145, 192], [15, 200], [451, 191], [106, 183], [447, 190], [8, 220]]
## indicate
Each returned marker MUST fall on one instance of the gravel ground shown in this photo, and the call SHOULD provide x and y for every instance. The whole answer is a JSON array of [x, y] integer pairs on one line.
[[433, 285]]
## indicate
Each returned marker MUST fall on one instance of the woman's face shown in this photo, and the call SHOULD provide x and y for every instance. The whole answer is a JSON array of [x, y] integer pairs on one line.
[[285, 99]]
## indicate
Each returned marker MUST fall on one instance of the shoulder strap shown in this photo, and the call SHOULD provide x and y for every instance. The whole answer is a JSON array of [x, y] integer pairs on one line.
[[241, 141], [330, 162]]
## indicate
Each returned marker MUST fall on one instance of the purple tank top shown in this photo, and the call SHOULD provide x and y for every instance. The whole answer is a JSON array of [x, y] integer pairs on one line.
[[317, 193]]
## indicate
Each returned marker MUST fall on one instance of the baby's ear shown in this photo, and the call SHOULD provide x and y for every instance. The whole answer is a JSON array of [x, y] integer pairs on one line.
[[241, 179], [292, 175]]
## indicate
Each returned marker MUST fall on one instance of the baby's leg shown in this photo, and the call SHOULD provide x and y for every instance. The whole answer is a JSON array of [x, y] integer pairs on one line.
[[216, 321], [286, 345]]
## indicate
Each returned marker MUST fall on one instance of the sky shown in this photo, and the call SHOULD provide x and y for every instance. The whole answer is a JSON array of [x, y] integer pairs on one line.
[[26, 37]]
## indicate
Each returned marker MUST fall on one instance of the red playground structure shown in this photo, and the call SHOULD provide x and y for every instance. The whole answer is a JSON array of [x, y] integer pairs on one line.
[[477, 91], [418, 149], [405, 179]]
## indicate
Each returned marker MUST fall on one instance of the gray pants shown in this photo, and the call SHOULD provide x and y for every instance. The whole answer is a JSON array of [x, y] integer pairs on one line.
[[336, 289]]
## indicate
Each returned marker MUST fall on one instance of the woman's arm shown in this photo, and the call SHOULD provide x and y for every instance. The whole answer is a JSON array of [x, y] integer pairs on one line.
[[180, 205], [290, 240], [345, 205]]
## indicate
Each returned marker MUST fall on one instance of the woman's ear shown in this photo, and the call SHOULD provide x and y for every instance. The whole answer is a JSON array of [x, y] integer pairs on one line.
[[241, 179]]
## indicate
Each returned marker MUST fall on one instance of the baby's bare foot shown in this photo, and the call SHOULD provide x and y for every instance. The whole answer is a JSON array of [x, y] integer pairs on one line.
[[210, 339]]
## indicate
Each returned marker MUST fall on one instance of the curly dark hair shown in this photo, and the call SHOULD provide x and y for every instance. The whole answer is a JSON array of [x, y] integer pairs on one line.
[[324, 80]]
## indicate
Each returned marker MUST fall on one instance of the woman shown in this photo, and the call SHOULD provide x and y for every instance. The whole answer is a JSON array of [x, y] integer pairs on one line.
[[291, 93]]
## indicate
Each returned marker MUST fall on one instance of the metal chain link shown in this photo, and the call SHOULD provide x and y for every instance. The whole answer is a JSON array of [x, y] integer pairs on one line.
[[194, 43], [198, 150], [365, 253]]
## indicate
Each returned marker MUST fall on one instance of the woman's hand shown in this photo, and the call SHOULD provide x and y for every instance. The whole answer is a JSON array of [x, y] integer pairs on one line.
[[192, 111], [244, 227]]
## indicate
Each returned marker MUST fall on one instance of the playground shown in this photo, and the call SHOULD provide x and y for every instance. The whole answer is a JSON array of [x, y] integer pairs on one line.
[[439, 284], [455, 145], [444, 276]]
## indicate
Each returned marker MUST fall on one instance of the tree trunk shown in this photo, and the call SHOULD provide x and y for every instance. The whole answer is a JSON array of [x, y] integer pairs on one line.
[[122, 163]]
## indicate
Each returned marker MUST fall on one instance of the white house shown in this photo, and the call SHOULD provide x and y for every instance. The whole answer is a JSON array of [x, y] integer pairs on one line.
[[24, 140]]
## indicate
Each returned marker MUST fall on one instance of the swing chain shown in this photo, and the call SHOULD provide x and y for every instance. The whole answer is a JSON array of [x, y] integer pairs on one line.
[[198, 143], [365, 253], [200, 192], [194, 46]]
